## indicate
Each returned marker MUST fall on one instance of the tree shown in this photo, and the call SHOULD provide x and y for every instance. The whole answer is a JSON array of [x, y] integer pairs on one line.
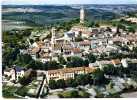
[[134, 75], [86, 62], [35, 65], [83, 79], [78, 39], [98, 77], [75, 62], [62, 60], [69, 94], [135, 50], [74, 94], [84, 94], [80, 79], [91, 58], [13, 41], [97, 25], [61, 83], [53, 65], [25, 81], [131, 14], [121, 26], [103, 55], [120, 71], [28, 77], [9, 56], [49, 35], [109, 29], [71, 83], [90, 24], [31, 41], [52, 84], [23, 59], [117, 31], [109, 69], [131, 29], [27, 32], [125, 48]]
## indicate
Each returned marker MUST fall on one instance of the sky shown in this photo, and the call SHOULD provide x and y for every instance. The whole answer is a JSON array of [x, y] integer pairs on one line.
[[44, 2]]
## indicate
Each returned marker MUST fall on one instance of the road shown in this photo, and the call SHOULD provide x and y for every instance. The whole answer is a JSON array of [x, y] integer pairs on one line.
[[129, 95]]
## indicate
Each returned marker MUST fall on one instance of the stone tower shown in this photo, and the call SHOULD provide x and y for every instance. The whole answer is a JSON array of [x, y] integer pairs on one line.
[[53, 31], [82, 15]]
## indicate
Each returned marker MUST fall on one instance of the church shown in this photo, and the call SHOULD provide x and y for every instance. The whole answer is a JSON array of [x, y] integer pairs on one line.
[[66, 46]]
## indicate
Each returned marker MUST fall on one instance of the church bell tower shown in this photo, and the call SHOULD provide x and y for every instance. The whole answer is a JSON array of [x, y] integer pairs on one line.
[[82, 15], [53, 31]]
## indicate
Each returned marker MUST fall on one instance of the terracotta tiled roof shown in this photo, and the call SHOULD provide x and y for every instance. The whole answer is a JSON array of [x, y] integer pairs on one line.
[[34, 50], [54, 71], [116, 61], [71, 70], [59, 45], [41, 44], [76, 50], [85, 43]]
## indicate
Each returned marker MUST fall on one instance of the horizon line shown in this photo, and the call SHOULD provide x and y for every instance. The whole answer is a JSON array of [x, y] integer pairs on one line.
[[75, 4]]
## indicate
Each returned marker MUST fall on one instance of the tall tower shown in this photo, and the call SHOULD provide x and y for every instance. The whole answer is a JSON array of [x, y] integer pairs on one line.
[[53, 31], [82, 15]]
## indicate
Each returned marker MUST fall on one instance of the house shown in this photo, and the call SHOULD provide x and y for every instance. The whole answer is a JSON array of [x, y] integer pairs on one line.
[[69, 35], [67, 51], [76, 52], [95, 30], [93, 64], [132, 19], [124, 63], [100, 64], [14, 73], [7, 73], [85, 45], [78, 29], [34, 44], [116, 62]]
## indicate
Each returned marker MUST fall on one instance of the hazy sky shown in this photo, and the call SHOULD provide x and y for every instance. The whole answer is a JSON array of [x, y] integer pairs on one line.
[[69, 2]]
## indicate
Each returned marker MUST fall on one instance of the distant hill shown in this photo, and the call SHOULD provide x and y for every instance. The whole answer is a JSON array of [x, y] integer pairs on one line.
[[48, 14]]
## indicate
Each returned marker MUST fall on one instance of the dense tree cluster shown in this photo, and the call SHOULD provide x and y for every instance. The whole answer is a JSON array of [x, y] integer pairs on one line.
[[91, 57], [74, 94], [126, 26], [75, 62], [66, 25], [130, 71], [13, 41]]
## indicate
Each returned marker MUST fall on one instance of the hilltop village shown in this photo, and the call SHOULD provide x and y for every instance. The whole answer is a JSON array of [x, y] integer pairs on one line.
[[96, 61]]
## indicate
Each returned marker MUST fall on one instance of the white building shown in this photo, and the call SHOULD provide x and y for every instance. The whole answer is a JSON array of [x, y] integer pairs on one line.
[[124, 63], [14, 73]]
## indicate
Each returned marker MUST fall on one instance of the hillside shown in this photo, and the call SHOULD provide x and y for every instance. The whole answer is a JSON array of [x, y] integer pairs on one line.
[[49, 14]]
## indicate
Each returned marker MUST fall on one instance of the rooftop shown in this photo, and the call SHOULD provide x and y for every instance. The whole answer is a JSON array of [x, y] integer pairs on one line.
[[71, 70], [116, 61]]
